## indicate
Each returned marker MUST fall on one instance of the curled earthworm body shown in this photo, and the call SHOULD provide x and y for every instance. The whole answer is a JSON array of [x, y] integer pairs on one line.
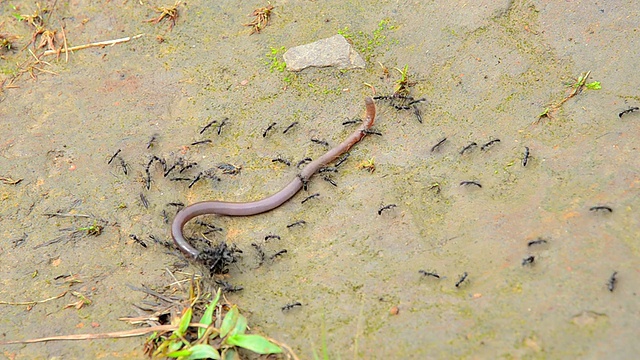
[[273, 201]]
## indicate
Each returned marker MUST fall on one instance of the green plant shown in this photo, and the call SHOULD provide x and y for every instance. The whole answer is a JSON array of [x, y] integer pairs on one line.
[[273, 59], [211, 342], [367, 43], [577, 86]]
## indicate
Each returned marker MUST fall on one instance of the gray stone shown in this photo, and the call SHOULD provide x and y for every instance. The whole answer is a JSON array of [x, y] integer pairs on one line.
[[334, 51]]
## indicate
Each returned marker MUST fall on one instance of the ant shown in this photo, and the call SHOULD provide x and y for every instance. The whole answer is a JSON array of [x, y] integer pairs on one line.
[[260, 252], [467, 148], [539, 241], [208, 126], [470, 182], [386, 207], [429, 273], [290, 126], [264, 134], [525, 158], [611, 284], [113, 157], [630, 110], [436, 146], [144, 201], [137, 240], [463, 277], [297, 223], [487, 145], [279, 253], [601, 208], [310, 197], [528, 260], [291, 306], [281, 160], [321, 142], [201, 142]]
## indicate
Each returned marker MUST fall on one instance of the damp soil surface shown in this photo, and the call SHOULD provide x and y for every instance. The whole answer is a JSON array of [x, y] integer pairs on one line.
[[487, 70]]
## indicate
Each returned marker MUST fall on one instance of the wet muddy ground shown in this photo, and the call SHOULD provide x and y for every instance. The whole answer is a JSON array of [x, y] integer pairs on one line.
[[487, 71]]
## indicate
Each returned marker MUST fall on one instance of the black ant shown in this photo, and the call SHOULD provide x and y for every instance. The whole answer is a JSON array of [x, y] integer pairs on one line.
[[321, 142], [260, 251], [488, 145], [290, 126], [208, 126], [436, 146], [154, 137], [113, 157], [310, 197], [281, 160], [342, 160], [470, 182], [386, 207], [195, 180], [279, 253], [463, 277], [227, 287], [329, 180], [328, 169], [528, 260], [297, 223], [271, 236], [371, 132], [186, 166], [351, 122], [124, 166], [144, 201], [223, 123], [264, 134], [467, 148], [291, 306], [429, 273], [229, 169], [303, 162], [537, 242], [601, 208], [630, 110], [611, 284], [137, 240]]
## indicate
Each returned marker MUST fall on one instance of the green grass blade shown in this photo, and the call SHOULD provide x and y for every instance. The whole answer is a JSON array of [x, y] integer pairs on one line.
[[207, 317]]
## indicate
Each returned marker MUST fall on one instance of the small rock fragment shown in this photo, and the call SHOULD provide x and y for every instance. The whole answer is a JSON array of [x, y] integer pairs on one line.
[[334, 51]]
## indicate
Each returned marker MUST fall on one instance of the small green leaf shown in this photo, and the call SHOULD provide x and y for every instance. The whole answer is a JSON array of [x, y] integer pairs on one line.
[[175, 345], [241, 325], [203, 351], [229, 321], [184, 322], [179, 353], [207, 317], [230, 354], [594, 85], [544, 113], [255, 343], [200, 351]]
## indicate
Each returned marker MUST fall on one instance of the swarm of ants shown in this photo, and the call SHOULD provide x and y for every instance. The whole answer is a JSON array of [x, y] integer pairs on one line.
[[401, 98]]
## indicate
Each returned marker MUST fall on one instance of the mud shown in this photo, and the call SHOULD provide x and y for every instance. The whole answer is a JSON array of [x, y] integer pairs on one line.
[[487, 71]]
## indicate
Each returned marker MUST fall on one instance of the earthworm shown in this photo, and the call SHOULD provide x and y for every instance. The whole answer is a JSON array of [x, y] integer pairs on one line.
[[273, 201]]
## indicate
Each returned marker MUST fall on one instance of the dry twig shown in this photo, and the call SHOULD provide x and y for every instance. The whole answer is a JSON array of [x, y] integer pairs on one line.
[[95, 44], [262, 19], [169, 12]]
